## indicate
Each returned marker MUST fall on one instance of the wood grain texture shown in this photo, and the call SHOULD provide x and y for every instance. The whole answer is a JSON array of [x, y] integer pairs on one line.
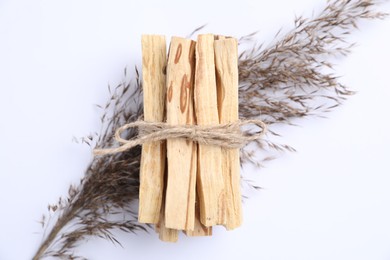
[[166, 234], [153, 154], [210, 183], [181, 153], [226, 58], [200, 230]]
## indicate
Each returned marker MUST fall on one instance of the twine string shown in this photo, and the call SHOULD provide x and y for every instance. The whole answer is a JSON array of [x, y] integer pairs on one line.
[[227, 136]]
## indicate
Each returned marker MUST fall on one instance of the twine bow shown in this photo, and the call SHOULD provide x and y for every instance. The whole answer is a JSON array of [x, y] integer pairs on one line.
[[224, 135]]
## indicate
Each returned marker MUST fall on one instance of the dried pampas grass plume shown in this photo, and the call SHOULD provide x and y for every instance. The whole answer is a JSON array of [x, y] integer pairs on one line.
[[288, 79]]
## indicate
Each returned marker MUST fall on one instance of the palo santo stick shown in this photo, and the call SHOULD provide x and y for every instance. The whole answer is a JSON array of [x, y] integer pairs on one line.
[[200, 230], [153, 154], [226, 58], [166, 234], [210, 183], [181, 153]]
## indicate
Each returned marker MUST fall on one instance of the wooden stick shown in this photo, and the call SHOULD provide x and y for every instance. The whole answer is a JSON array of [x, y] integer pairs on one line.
[[166, 234], [210, 183], [199, 228], [181, 153], [153, 154], [226, 58]]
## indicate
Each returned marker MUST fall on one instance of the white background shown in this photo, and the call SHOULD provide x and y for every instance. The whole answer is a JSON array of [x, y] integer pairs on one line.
[[330, 200]]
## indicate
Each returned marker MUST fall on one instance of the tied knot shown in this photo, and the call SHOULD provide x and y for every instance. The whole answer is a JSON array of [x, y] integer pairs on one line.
[[228, 136]]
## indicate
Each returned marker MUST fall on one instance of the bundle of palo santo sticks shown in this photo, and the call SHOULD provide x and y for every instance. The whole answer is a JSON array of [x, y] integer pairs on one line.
[[185, 185]]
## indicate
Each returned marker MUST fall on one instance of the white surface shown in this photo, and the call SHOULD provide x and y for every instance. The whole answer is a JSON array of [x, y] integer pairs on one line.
[[331, 200]]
